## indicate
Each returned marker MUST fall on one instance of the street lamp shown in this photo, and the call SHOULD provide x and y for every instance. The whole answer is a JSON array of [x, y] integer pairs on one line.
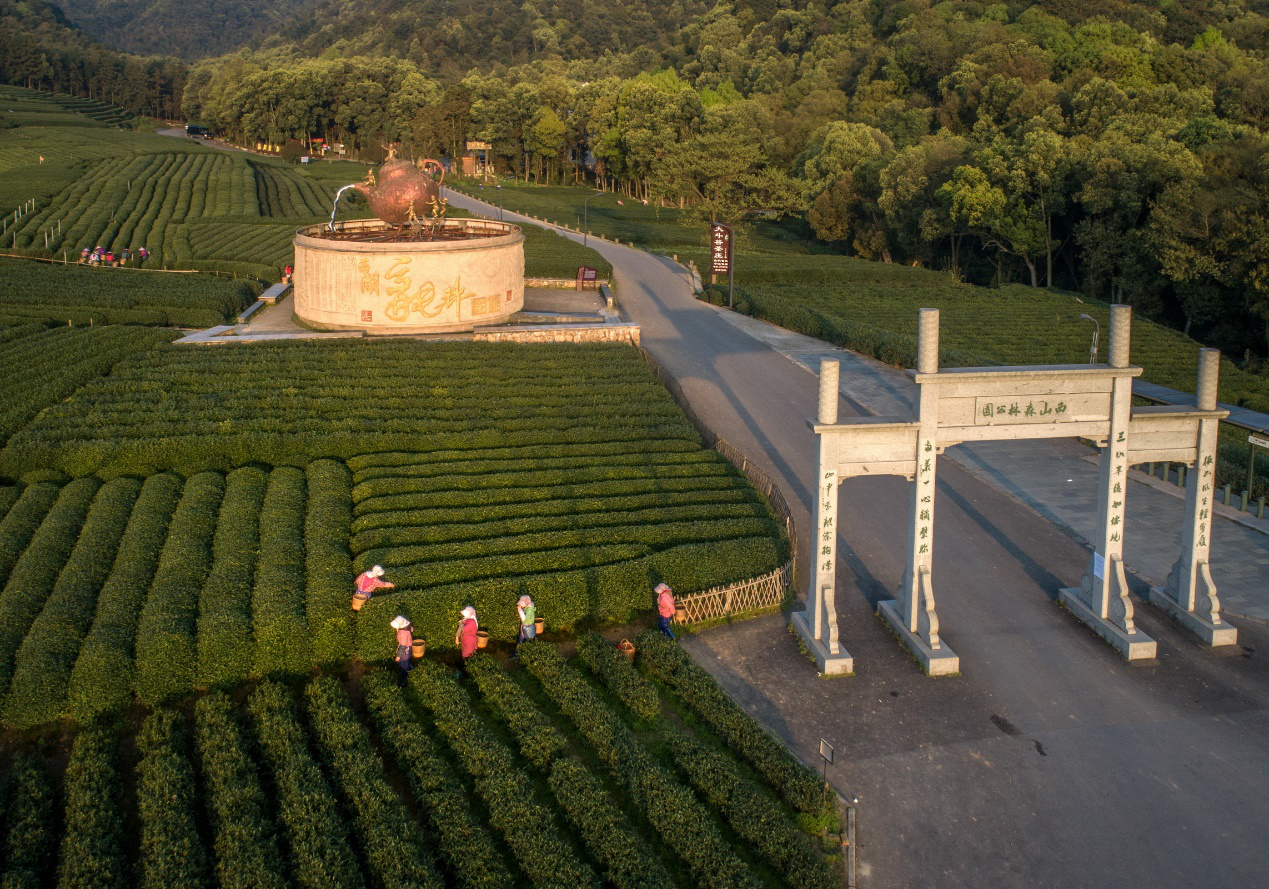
[[499, 201], [586, 217], [1092, 350]]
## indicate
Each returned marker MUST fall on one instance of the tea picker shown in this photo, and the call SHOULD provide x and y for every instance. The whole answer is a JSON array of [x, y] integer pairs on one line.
[[367, 583], [405, 647]]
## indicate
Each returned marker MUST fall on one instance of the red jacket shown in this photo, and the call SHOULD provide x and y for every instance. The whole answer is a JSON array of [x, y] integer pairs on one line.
[[467, 636]]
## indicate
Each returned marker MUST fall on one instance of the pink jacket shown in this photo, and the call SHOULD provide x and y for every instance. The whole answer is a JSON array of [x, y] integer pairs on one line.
[[665, 604], [367, 583]]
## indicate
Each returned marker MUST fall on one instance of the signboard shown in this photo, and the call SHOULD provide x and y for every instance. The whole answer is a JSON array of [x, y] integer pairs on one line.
[[720, 248], [479, 146], [586, 277], [826, 751], [1258, 441]]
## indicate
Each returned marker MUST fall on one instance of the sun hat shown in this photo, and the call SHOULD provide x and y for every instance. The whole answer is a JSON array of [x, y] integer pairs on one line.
[[377, 571], [469, 612], [525, 600], [399, 623], [662, 588]]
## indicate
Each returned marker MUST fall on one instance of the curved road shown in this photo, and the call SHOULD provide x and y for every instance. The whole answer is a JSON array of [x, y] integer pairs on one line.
[[1050, 761]]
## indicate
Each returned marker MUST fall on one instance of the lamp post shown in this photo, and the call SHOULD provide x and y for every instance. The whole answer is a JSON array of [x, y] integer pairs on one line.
[[1092, 350], [499, 186], [586, 218]]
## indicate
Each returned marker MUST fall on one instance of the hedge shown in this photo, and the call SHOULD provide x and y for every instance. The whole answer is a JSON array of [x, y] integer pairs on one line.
[[328, 563], [391, 840], [321, 854], [595, 814], [92, 854], [35, 573], [225, 644], [529, 830], [172, 853], [246, 845], [277, 602], [614, 668], [668, 663], [756, 818], [42, 668], [464, 842], [539, 741], [29, 824], [21, 522], [680, 819], [165, 644], [102, 678]]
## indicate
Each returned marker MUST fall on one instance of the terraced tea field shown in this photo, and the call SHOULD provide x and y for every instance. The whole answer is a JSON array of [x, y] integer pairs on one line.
[[565, 773]]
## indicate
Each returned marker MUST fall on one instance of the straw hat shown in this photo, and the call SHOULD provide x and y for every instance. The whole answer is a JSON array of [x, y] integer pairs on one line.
[[399, 623]]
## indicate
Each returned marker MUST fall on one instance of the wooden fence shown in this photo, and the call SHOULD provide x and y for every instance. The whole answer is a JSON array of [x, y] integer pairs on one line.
[[766, 591], [758, 592]]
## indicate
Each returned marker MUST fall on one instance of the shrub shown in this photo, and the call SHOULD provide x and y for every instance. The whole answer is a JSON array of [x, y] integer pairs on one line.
[[165, 645], [605, 661], [277, 604], [676, 814], [670, 664], [172, 853], [20, 523], [392, 842], [528, 829], [42, 668], [226, 648], [328, 562], [102, 677], [319, 845], [754, 817], [92, 855], [464, 842], [29, 824], [539, 741], [246, 844], [36, 571]]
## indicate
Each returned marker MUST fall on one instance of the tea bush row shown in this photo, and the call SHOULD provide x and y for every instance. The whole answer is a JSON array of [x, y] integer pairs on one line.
[[41, 292], [245, 844], [391, 841], [464, 842], [92, 853], [755, 818], [528, 829], [595, 814], [317, 836], [29, 818], [668, 663], [278, 600], [603, 659], [682, 822], [172, 852], [44, 367], [42, 668]]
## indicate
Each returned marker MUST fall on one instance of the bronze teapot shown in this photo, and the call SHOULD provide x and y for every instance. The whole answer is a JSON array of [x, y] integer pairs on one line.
[[403, 193]]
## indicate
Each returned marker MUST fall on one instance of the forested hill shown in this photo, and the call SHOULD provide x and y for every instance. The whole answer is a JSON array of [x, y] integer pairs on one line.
[[188, 29], [448, 37]]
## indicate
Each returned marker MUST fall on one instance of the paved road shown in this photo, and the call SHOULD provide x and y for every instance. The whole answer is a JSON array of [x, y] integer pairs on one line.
[[1050, 761]]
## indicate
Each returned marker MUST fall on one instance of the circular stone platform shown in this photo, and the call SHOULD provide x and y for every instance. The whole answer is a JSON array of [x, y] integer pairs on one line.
[[362, 277]]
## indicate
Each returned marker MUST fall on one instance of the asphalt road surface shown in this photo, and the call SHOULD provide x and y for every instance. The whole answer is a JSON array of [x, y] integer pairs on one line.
[[1050, 761]]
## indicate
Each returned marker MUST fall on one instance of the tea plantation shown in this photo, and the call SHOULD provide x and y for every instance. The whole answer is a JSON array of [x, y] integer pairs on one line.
[[544, 776]]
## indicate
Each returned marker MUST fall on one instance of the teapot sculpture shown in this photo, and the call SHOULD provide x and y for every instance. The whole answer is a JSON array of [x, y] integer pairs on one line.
[[402, 193]]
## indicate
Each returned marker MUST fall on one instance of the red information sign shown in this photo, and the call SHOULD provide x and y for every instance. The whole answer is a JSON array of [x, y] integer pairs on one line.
[[586, 277], [719, 248]]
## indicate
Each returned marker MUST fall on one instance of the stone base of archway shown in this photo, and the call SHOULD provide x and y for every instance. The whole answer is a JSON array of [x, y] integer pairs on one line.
[[1133, 646], [1215, 635], [941, 661], [828, 663]]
